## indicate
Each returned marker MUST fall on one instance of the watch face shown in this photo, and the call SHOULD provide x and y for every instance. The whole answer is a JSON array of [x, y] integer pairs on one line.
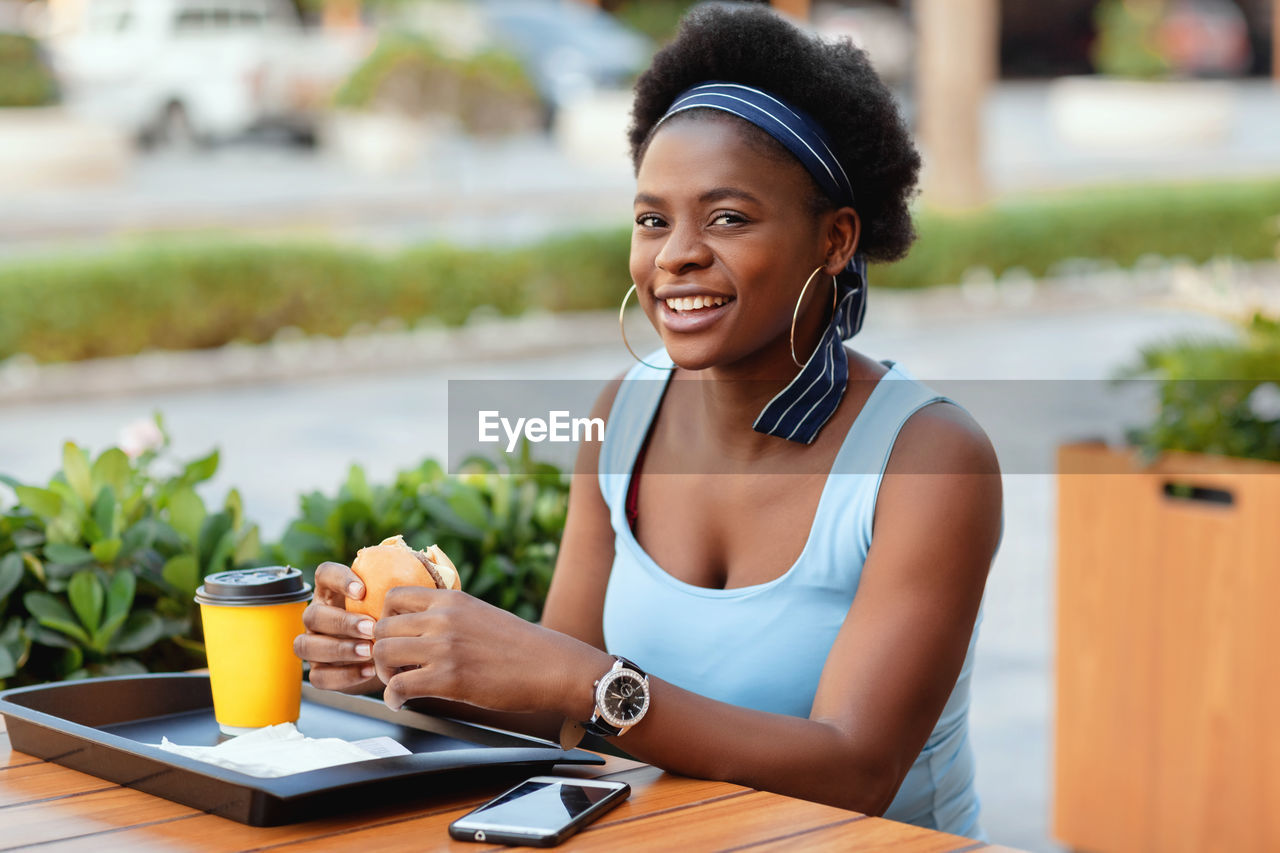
[[623, 698]]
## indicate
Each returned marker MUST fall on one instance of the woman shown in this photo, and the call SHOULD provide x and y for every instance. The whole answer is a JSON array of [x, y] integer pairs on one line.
[[803, 621]]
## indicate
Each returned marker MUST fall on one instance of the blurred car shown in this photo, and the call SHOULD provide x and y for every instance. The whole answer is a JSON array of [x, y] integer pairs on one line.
[[1205, 37], [199, 69], [568, 48]]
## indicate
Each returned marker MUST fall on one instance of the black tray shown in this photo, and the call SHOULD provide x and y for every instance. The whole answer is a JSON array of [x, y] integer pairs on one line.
[[104, 726]]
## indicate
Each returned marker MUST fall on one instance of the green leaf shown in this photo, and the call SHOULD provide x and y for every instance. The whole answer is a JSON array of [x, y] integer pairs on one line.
[[248, 549], [120, 592], [106, 550], [75, 465], [52, 613], [358, 485], [186, 513], [68, 555], [112, 469], [235, 506], [183, 574], [149, 533], [47, 637], [471, 508], [44, 503], [443, 515], [201, 469], [140, 631], [121, 666], [212, 532], [8, 666], [10, 575], [34, 566], [222, 553], [87, 598], [65, 529], [105, 513]]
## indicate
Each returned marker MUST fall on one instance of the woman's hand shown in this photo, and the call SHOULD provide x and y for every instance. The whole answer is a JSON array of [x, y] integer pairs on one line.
[[338, 644], [446, 644]]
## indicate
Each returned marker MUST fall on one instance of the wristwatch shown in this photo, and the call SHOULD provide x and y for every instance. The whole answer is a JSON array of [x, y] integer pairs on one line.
[[622, 699]]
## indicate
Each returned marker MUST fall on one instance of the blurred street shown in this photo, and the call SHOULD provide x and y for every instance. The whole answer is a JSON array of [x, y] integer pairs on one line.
[[525, 187]]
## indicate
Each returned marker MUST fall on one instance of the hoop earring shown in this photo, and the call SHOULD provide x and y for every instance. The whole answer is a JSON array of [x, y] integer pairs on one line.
[[795, 315], [621, 311]]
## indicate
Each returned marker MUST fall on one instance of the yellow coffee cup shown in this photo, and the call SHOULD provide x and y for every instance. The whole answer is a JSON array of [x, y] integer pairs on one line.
[[250, 619]]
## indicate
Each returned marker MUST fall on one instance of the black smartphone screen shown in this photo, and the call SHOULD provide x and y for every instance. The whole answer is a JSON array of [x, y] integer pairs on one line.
[[540, 807]]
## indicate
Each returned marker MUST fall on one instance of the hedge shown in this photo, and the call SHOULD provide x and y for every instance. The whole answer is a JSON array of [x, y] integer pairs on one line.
[[186, 295]]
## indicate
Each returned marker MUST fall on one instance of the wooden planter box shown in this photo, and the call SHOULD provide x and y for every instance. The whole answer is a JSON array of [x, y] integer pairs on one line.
[[1168, 654]]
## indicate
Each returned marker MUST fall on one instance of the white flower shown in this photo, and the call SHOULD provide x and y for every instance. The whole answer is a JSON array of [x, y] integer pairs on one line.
[[1264, 402], [139, 437]]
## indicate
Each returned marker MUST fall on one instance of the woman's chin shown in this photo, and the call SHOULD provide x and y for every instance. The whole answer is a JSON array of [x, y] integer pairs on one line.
[[692, 355]]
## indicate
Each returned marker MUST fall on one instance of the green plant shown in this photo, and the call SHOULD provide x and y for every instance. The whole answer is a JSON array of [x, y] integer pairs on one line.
[[404, 73], [658, 19], [1219, 397], [99, 566], [188, 294], [1127, 42], [25, 78], [488, 92], [501, 528]]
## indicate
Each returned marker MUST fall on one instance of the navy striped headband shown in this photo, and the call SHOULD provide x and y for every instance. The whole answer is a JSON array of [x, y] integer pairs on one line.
[[801, 409]]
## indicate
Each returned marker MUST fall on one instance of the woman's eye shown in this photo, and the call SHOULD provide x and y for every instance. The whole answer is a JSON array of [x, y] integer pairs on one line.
[[728, 218], [649, 220]]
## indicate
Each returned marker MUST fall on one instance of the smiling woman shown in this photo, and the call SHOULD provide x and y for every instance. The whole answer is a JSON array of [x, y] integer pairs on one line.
[[773, 564]]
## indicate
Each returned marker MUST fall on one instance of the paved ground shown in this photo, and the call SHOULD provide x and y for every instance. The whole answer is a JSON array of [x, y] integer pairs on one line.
[[281, 439]]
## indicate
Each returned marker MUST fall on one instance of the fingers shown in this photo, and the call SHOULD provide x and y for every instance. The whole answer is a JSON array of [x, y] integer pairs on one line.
[[357, 678], [414, 599], [393, 654], [412, 684], [319, 648], [335, 583], [336, 622]]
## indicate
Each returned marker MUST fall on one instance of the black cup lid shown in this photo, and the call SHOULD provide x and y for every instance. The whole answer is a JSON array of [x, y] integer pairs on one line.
[[268, 585]]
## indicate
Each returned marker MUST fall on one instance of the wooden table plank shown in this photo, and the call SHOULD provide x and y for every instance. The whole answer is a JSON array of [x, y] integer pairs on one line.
[[80, 815], [64, 810], [42, 781], [653, 792], [220, 835], [868, 834], [732, 821]]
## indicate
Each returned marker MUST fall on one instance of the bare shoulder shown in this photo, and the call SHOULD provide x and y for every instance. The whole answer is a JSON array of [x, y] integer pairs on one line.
[[604, 402], [942, 438], [951, 505]]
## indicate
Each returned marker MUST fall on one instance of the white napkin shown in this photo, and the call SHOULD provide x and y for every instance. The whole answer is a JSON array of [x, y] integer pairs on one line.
[[282, 750]]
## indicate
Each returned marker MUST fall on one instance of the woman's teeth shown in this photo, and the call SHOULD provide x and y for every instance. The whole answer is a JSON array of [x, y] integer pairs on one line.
[[693, 303]]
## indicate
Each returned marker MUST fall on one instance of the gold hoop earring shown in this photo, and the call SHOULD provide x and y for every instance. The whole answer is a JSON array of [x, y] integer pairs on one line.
[[621, 311], [795, 315]]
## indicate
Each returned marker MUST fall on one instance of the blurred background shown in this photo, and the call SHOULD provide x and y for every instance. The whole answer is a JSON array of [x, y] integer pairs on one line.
[[285, 225]]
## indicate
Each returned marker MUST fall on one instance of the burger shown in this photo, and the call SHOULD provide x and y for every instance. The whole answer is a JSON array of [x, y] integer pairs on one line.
[[392, 563]]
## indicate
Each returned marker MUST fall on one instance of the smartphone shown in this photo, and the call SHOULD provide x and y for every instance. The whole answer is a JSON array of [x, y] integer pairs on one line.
[[540, 812]]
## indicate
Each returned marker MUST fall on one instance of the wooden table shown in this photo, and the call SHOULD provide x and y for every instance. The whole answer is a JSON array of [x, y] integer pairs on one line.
[[61, 809]]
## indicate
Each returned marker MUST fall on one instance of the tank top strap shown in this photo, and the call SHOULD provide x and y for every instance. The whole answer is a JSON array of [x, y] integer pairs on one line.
[[895, 398], [633, 410]]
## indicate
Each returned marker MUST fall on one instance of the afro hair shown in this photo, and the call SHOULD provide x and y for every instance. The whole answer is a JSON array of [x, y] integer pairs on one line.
[[832, 82]]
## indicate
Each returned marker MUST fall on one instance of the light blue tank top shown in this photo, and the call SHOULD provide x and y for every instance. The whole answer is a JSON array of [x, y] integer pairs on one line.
[[764, 646]]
